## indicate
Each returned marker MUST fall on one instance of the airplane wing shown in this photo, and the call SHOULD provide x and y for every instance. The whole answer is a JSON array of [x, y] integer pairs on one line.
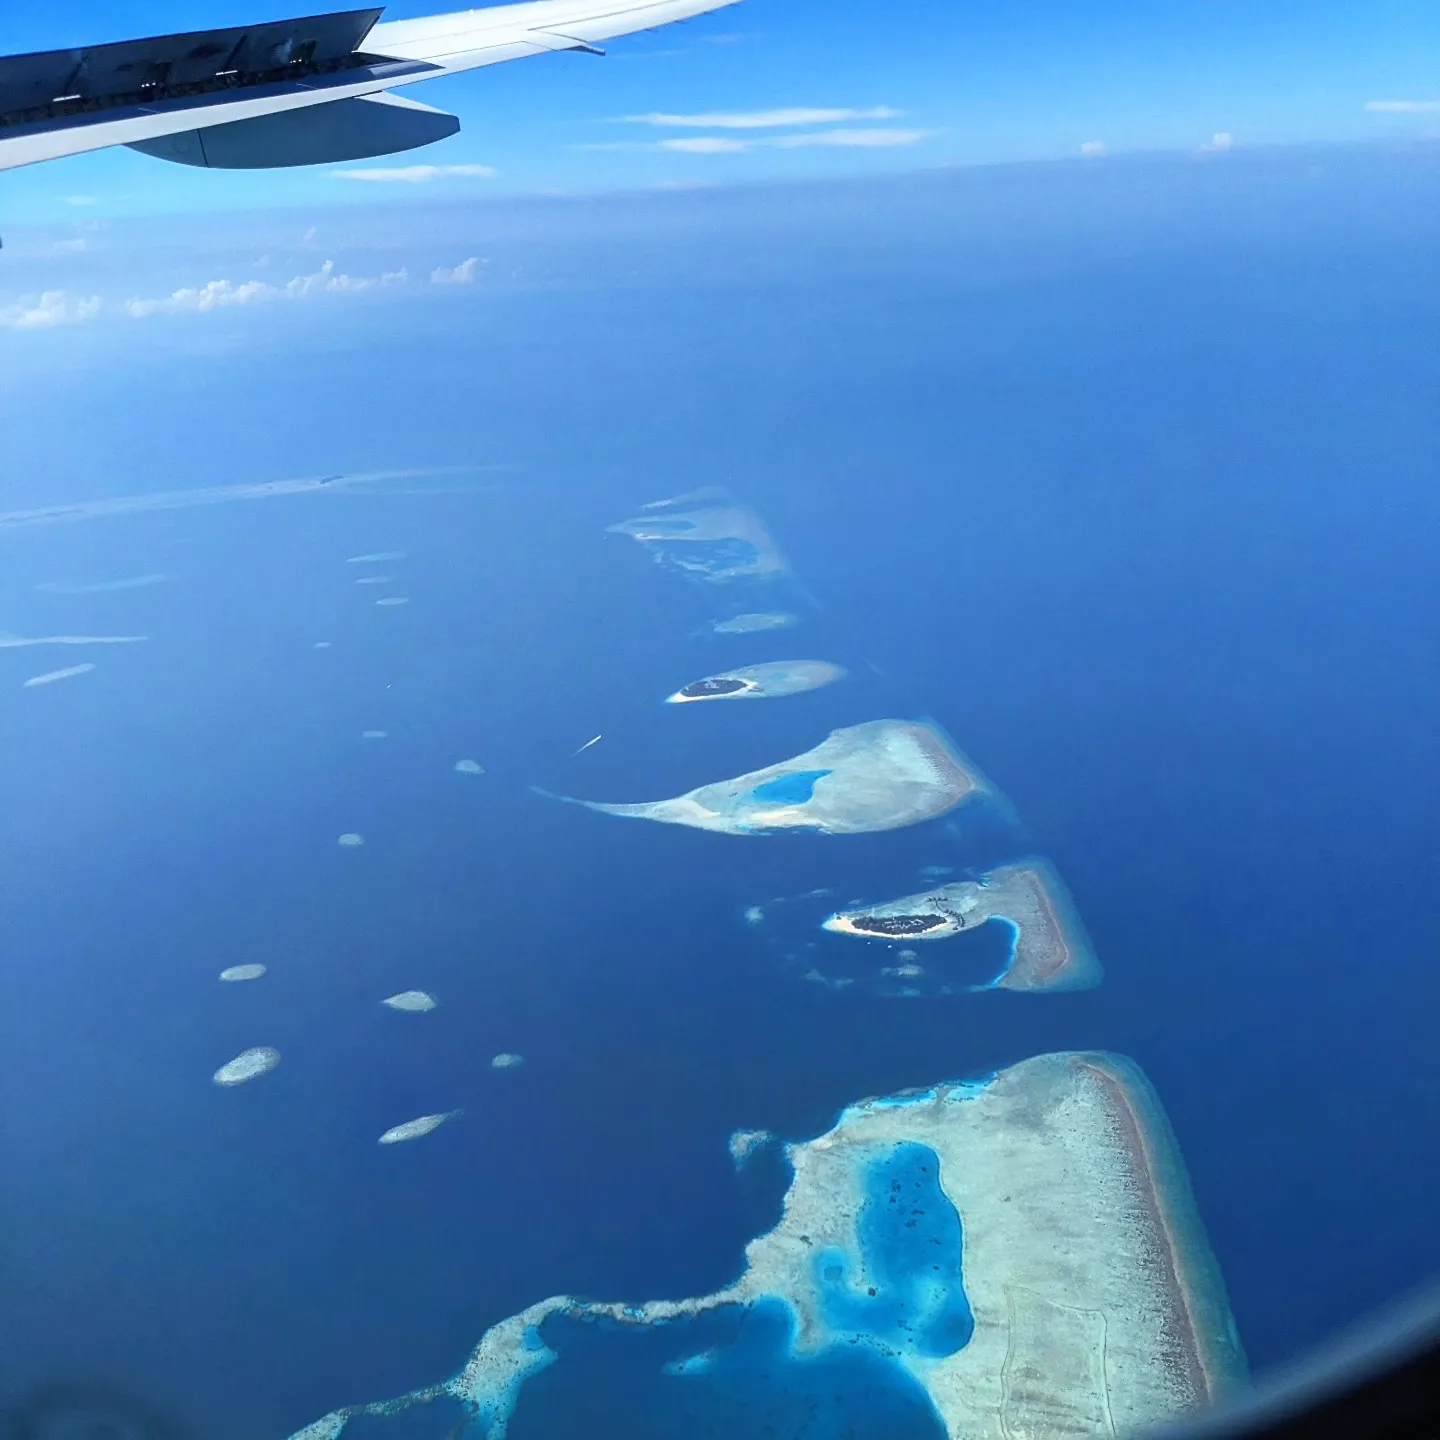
[[290, 92]]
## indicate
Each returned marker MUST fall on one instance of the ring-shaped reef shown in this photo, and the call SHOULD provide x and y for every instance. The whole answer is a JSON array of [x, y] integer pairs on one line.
[[882, 775], [1015, 1256]]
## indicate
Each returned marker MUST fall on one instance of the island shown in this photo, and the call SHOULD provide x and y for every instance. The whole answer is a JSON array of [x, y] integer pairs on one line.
[[1050, 949], [881, 775], [1018, 1255], [770, 681]]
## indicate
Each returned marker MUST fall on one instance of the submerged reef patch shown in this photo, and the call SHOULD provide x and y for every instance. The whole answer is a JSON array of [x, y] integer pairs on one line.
[[753, 622], [1089, 1302], [720, 545], [707, 535]]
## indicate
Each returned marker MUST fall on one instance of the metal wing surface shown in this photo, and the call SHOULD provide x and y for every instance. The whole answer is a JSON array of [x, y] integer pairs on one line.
[[196, 87]]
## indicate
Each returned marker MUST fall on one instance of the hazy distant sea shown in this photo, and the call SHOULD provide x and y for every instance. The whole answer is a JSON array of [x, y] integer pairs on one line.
[[1124, 475]]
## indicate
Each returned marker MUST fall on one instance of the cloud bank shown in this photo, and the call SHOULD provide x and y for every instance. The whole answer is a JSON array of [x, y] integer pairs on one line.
[[1403, 107], [52, 308], [843, 139], [461, 274], [61, 307], [760, 119], [414, 174]]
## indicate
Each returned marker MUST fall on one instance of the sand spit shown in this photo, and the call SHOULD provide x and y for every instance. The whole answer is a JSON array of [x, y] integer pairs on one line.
[[51, 676], [1097, 1306], [881, 775], [102, 587], [211, 495], [414, 1129], [22, 642], [248, 1065], [1050, 950]]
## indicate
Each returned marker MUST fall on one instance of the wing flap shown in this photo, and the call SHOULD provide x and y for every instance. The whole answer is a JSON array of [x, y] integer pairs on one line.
[[65, 102], [59, 83], [354, 129]]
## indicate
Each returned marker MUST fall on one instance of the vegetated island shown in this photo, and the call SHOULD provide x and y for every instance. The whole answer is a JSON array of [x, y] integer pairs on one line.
[[1050, 949], [770, 681]]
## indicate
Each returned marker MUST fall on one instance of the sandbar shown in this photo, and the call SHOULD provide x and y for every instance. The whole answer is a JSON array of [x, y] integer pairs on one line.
[[881, 775], [242, 972], [414, 1002], [414, 1129], [1050, 949], [755, 621], [247, 1065]]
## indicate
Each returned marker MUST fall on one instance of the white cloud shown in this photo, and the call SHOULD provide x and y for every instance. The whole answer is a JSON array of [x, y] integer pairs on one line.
[[81, 200], [325, 280], [70, 247], [1221, 140], [226, 294], [761, 119], [415, 174], [705, 145], [461, 274], [1403, 107], [54, 307], [216, 295], [845, 139], [851, 139], [1092, 147]]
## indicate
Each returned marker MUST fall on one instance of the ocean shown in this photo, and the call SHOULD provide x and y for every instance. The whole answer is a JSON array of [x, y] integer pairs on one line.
[[1125, 480]]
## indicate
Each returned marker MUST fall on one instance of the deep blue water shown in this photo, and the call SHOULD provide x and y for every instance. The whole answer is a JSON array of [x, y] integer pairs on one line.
[[1140, 508], [615, 1380], [735, 1371]]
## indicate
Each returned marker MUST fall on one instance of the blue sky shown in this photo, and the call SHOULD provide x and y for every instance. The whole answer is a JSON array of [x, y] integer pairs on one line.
[[927, 84]]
